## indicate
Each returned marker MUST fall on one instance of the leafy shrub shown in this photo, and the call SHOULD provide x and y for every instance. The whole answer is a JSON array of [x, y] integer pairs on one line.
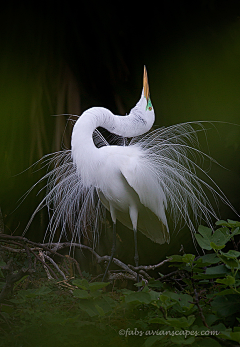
[[196, 304]]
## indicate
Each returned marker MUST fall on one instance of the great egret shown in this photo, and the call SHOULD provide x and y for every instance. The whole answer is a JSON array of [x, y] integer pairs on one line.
[[137, 182]]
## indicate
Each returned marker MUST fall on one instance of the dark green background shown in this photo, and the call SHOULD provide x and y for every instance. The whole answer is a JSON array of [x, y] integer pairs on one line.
[[68, 58]]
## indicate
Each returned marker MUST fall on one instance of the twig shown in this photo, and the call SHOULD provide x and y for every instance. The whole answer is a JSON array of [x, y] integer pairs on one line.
[[44, 263], [38, 246], [163, 278], [29, 256], [14, 250], [199, 308], [149, 267], [55, 265], [42, 257], [67, 257], [121, 276], [179, 284], [100, 259], [145, 274], [53, 248]]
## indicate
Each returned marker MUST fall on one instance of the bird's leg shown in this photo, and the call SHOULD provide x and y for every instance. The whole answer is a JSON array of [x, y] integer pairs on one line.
[[112, 251], [136, 257]]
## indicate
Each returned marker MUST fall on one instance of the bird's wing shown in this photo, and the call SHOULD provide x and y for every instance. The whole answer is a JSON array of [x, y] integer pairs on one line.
[[151, 226], [152, 219], [148, 223]]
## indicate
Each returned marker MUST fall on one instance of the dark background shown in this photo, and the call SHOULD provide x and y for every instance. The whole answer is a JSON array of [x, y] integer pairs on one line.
[[67, 58]]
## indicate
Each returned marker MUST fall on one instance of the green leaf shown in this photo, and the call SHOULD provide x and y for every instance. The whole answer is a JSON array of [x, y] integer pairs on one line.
[[230, 262], [182, 340], [176, 258], [89, 309], [138, 298], [204, 244], [158, 320], [208, 240], [213, 272], [154, 295], [110, 302], [234, 336], [150, 341], [83, 283], [81, 294], [42, 291], [230, 223], [223, 223], [184, 300], [181, 322], [95, 307], [165, 301], [205, 277], [214, 246], [226, 292], [32, 293], [211, 318], [204, 238], [228, 280], [217, 270], [100, 310], [97, 285], [186, 258], [209, 259], [235, 232], [233, 223], [205, 232], [140, 284], [226, 306], [221, 236], [155, 284], [206, 342], [231, 254], [219, 327]]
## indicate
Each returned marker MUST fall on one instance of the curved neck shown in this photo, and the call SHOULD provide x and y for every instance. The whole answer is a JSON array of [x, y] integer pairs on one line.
[[130, 125], [83, 148]]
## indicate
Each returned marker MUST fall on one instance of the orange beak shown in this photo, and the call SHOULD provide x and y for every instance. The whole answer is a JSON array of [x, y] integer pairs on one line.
[[145, 84]]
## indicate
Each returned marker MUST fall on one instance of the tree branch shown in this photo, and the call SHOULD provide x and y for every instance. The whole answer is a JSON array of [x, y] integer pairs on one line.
[[11, 278], [54, 248]]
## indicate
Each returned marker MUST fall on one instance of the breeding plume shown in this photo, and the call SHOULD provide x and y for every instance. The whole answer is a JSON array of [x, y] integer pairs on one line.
[[137, 181]]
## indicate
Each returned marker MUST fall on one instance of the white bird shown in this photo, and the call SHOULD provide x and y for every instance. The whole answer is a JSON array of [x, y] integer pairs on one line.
[[137, 183]]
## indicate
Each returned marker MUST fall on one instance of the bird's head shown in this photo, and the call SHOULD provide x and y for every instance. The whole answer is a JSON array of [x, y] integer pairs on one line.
[[143, 112], [146, 95]]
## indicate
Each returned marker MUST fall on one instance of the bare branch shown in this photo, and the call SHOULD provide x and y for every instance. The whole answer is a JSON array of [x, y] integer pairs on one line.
[[149, 267], [200, 309], [100, 259], [53, 249], [55, 265], [11, 278], [46, 267]]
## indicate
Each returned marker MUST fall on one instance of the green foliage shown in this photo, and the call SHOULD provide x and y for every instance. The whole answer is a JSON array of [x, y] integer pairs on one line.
[[198, 304]]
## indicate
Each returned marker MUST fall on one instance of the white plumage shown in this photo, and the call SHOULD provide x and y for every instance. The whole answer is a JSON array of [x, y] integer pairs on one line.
[[137, 183]]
